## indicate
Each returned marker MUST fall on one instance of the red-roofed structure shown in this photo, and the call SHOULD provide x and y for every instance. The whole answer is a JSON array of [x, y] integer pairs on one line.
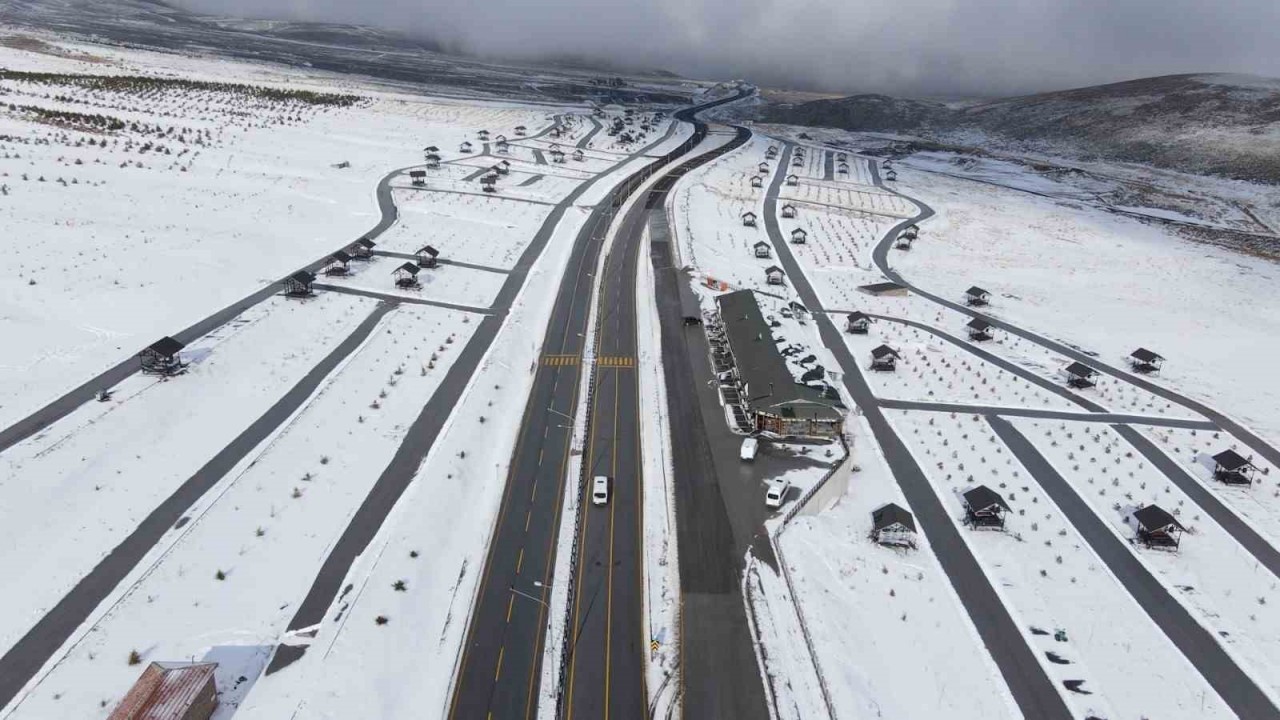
[[170, 691]]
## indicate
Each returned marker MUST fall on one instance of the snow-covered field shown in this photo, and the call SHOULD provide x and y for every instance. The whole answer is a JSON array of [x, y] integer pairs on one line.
[[1108, 284], [490, 231], [1050, 580]]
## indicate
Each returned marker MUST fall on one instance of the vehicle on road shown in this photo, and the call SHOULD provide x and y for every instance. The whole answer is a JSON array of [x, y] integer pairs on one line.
[[749, 448], [777, 493], [600, 490]]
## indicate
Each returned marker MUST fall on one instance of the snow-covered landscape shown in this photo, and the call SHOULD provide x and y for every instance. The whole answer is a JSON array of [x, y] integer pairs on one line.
[[355, 373]]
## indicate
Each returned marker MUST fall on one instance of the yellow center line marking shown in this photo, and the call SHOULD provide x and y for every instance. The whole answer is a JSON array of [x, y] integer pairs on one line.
[[511, 602], [497, 673], [527, 515], [520, 561], [613, 508], [540, 457]]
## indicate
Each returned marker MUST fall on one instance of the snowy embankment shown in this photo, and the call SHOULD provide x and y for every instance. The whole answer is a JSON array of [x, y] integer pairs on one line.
[[1110, 285], [1081, 622], [227, 582], [105, 467], [161, 225]]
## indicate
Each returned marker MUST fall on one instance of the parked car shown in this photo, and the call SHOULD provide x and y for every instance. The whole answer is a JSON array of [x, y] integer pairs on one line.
[[600, 490], [749, 448], [777, 493]]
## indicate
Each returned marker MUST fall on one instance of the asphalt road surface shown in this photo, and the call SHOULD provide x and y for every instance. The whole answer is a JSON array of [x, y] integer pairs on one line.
[[1032, 690], [500, 667]]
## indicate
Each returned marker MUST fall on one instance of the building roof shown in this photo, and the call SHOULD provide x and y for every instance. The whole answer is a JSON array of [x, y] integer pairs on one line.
[[1230, 460], [164, 691], [770, 385], [304, 276], [1079, 369], [889, 514], [341, 256], [772, 269], [417, 173], [365, 242], [976, 291], [1154, 517], [407, 267], [1145, 355], [748, 214], [799, 231], [884, 351], [979, 324], [760, 243], [166, 346], [983, 497], [429, 250], [858, 315], [789, 205]]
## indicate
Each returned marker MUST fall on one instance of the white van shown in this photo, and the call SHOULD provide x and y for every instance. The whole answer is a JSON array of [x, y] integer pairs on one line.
[[749, 448], [600, 490], [777, 493]]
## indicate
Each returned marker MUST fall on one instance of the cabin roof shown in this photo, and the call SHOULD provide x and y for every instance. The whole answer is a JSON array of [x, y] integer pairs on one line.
[[983, 497], [1079, 369], [407, 267], [760, 243], [976, 291], [365, 242], [772, 269], [858, 315], [887, 515], [341, 256], [884, 351], [166, 346], [304, 276], [1145, 355], [979, 324], [1230, 460], [429, 250], [1154, 517]]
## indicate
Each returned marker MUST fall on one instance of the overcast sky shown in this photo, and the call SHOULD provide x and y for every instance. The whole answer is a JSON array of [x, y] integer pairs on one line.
[[906, 47]]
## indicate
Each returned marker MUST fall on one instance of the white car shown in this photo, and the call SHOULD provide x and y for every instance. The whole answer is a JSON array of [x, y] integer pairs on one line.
[[600, 490], [777, 493], [749, 448]]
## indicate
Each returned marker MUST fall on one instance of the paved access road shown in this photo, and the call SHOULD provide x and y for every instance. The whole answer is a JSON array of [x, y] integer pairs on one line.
[[1032, 689], [500, 667]]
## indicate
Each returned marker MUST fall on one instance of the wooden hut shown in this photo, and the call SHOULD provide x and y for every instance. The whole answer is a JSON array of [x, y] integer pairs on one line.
[[1144, 361], [763, 168], [299, 284], [502, 168], [489, 183], [788, 211], [979, 330], [171, 691], [984, 508], [1232, 468], [465, 146], [799, 236], [502, 147], [578, 155], [162, 357], [904, 242], [1157, 528], [433, 161], [749, 219], [418, 177], [912, 231], [427, 256], [557, 155], [793, 180], [842, 168], [406, 276], [891, 176], [362, 249], [483, 134], [893, 525], [1080, 376], [977, 297], [886, 164], [757, 181], [762, 249], [774, 275], [521, 131], [339, 263], [884, 359], [857, 323]]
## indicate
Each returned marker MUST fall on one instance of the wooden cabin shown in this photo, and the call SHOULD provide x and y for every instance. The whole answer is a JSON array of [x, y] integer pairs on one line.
[[977, 297], [555, 132], [903, 242], [1233, 469], [793, 180], [788, 211], [884, 359], [749, 219], [979, 330], [521, 130], [799, 236], [299, 284], [894, 526], [578, 155], [912, 231], [891, 176], [1144, 361], [762, 249], [502, 168], [362, 249], [465, 146], [1080, 376], [489, 183], [557, 156], [757, 181], [857, 323], [418, 177], [427, 256], [772, 152], [842, 168], [1157, 528], [483, 134], [162, 357], [797, 161], [501, 138], [763, 168], [502, 147], [985, 508], [339, 263], [430, 149], [433, 161], [842, 156], [886, 164], [171, 691], [774, 275], [406, 276]]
